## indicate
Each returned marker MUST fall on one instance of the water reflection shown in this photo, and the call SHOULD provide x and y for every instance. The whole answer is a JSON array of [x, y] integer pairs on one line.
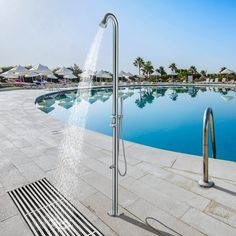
[[143, 95], [160, 117], [46, 109], [227, 98]]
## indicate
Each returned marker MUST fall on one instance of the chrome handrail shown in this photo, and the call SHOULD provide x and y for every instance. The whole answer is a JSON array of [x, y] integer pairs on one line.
[[208, 118]]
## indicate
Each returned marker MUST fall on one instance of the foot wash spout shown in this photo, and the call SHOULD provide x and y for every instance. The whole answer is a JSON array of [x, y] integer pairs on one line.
[[115, 128]]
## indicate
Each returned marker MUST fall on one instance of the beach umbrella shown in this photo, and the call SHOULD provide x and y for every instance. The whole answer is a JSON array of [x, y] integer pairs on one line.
[[41, 70], [4, 74], [227, 72], [31, 74], [10, 75], [87, 73], [103, 74], [64, 71], [71, 76], [51, 76], [156, 73], [122, 74], [20, 70], [129, 74]]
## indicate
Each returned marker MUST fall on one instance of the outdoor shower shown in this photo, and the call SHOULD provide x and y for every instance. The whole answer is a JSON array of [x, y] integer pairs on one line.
[[115, 116]]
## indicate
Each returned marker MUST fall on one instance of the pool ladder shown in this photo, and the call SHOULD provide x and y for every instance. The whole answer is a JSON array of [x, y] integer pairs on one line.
[[208, 118]]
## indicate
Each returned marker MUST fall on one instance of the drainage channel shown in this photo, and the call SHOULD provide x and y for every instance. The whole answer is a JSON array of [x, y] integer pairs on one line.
[[48, 213]]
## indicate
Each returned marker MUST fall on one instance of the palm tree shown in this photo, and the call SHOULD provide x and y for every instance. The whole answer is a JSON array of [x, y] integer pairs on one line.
[[139, 62], [173, 68], [161, 70], [222, 68], [203, 73], [148, 68], [193, 70], [75, 69]]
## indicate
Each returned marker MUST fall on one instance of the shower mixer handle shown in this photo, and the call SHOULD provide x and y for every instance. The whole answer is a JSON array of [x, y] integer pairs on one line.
[[114, 121]]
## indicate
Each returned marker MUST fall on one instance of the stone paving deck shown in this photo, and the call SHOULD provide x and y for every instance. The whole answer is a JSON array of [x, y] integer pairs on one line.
[[159, 184]]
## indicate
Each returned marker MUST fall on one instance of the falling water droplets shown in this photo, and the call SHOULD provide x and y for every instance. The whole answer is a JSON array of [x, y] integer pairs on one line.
[[71, 149]]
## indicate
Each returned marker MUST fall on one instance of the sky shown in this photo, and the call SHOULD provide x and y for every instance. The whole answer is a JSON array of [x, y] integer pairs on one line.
[[60, 32]]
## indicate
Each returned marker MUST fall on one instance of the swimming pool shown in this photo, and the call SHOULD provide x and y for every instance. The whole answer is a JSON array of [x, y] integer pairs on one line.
[[164, 117]]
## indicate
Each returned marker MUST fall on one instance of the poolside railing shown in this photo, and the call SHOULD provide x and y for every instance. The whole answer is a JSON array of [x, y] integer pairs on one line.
[[207, 119]]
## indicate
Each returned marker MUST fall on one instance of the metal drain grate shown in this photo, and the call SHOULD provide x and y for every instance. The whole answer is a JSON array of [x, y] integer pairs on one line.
[[49, 213]]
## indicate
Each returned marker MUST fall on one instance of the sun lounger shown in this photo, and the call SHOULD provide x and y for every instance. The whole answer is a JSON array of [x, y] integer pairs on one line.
[[31, 86]]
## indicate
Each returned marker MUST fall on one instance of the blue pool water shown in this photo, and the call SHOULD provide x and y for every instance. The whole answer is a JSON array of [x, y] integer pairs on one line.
[[164, 117]]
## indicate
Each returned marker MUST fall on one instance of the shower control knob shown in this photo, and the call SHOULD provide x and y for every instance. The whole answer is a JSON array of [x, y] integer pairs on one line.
[[114, 121]]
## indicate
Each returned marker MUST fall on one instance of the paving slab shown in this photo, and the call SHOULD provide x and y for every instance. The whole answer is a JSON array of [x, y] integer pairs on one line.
[[7, 207], [15, 226], [161, 220], [104, 186], [222, 213], [31, 171], [206, 224], [180, 194], [123, 225]]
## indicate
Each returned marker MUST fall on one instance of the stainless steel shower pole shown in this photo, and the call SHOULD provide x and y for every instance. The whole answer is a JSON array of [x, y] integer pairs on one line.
[[115, 140]]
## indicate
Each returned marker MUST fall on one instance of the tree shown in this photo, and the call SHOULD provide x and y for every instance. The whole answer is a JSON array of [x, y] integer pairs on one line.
[[139, 62], [28, 67], [222, 68], [148, 68], [161, 70], [182, 74], [173, 67], [193, 70], [55, 69], [76, 70], [6, 68], [203, 73]]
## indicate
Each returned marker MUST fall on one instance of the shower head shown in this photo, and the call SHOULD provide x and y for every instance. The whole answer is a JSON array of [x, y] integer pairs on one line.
[[108, 16], [103, 24]]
